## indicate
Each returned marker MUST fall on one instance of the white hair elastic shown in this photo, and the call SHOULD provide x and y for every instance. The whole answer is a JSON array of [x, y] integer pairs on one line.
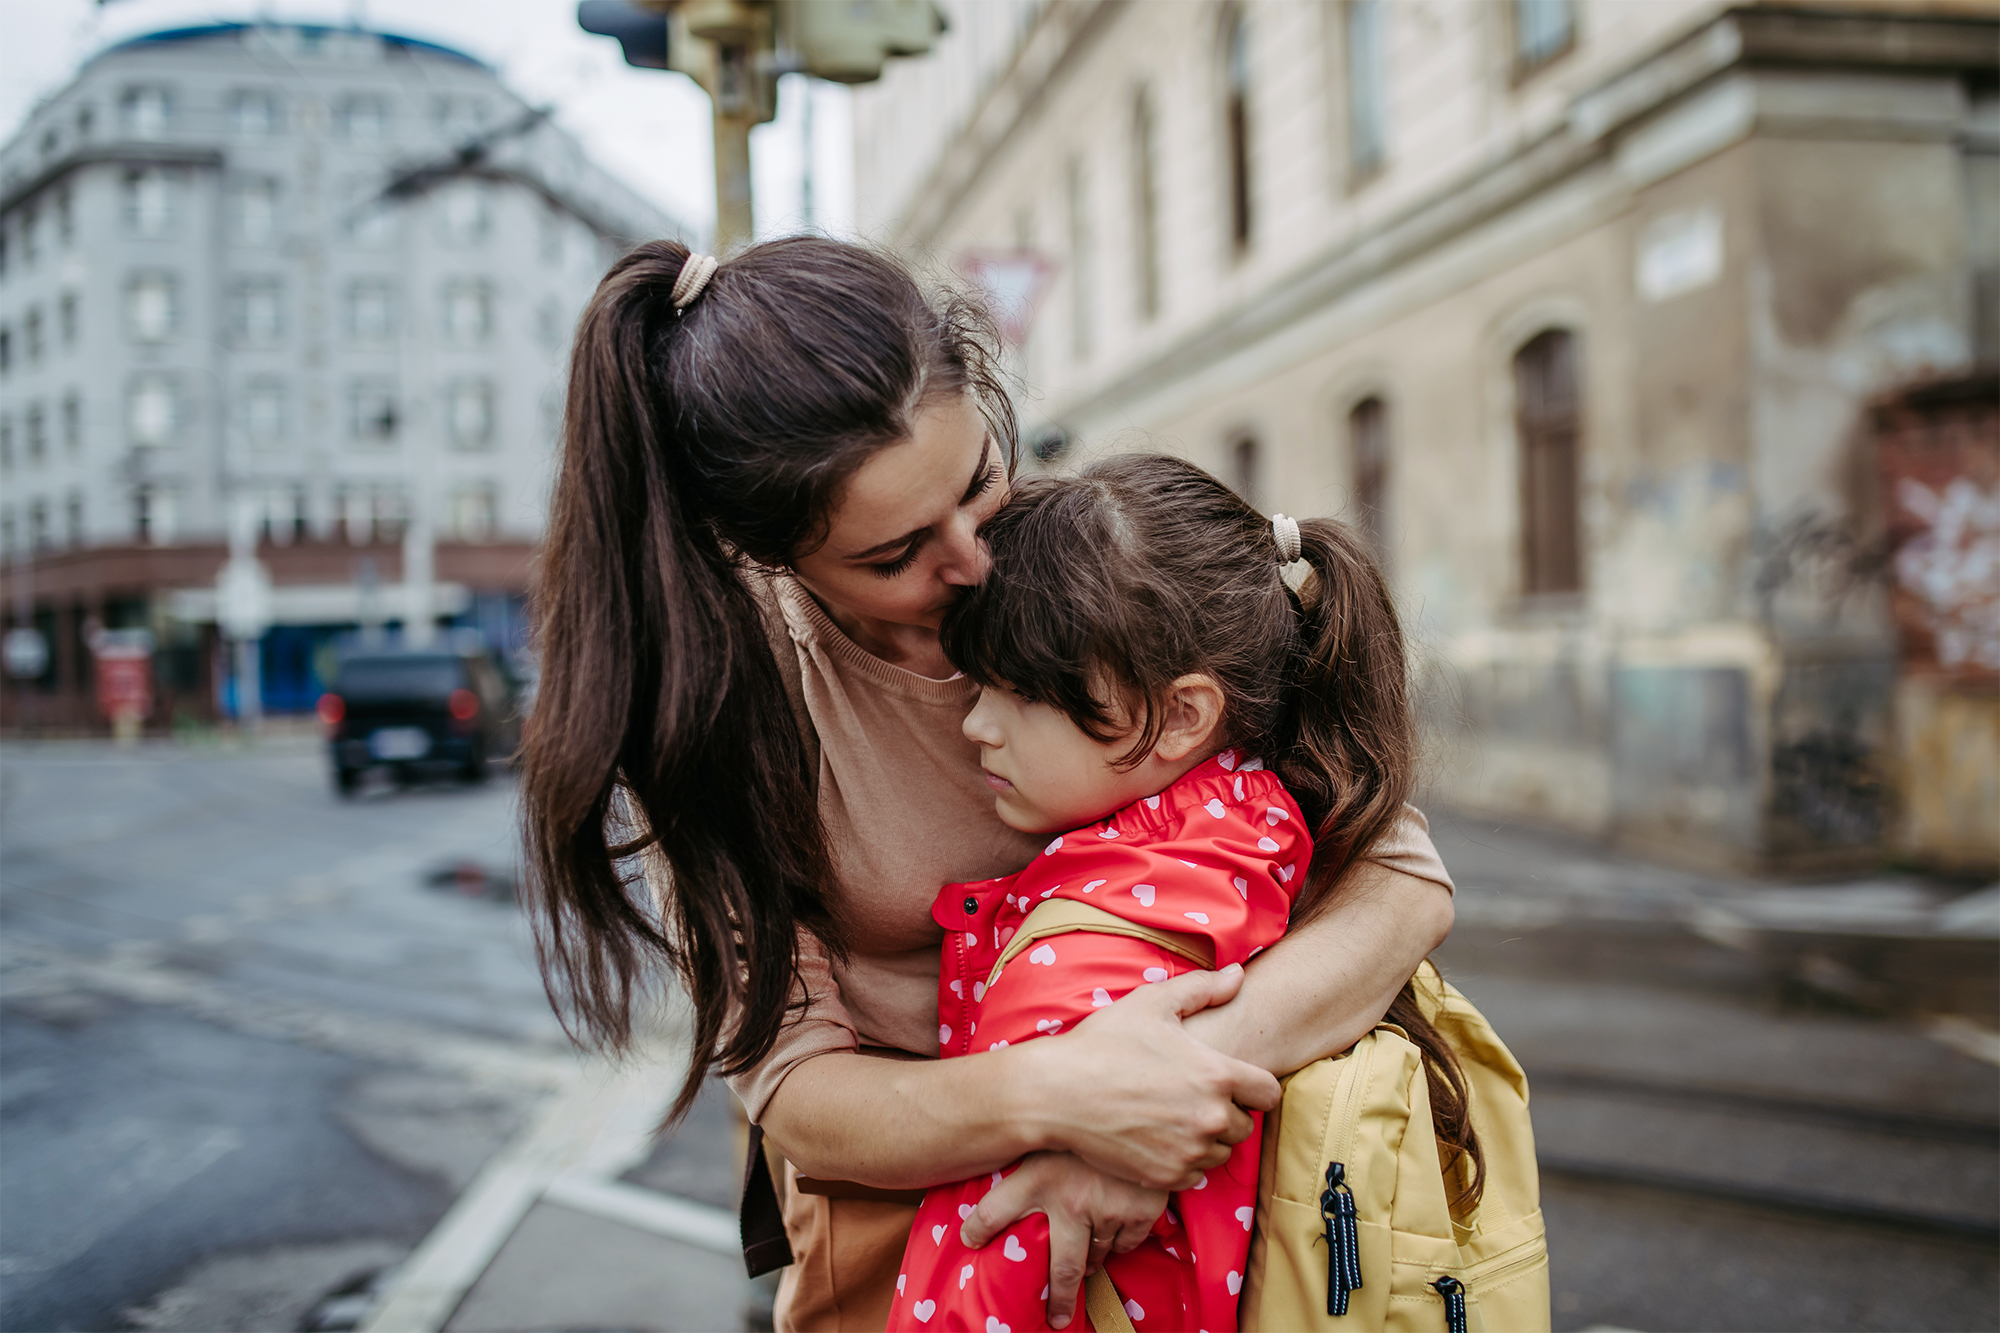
[[1286, 530], [695, 274]]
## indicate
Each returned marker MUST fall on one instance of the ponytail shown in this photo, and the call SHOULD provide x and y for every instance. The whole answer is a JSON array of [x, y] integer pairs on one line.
[[660, 728], [1350, 765]]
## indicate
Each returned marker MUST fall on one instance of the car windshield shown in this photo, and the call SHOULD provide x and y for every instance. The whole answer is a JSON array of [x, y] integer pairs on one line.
[[400, 678]]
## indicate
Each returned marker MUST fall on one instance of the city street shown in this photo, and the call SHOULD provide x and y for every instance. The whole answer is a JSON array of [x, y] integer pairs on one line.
[[258, 1042]]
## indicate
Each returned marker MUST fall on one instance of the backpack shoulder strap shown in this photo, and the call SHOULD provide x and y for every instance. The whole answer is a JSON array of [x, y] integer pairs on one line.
[[1103, 1304], [1060, 916]]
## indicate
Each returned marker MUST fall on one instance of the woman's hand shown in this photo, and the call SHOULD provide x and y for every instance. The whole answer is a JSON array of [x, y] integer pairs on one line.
[[1090, 1215], [1135, 1096]]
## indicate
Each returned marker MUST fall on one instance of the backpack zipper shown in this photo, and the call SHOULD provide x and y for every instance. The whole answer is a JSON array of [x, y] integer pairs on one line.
[[1343, 1239], [1453, 1292]]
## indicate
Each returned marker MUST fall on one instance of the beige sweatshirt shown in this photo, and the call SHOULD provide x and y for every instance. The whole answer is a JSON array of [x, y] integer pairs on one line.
[[907, 811]]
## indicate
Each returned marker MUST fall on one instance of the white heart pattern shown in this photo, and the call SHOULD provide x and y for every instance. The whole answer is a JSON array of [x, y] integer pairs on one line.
[[971, 940], [944, 1034], [997, 1178], [1099, 998], [1049, 1025], [964, 1211], [1199, 917], [1042, 954], [1136, 1310], [901, 1278], [1227, 759], [1274, 814], [1095, 883], [1144, 893], [1239, 786], [1252, 765], [1053, 847], [1242, 887], [993, 1325], [978, 991], [1216, 807], [1244, 1215], [937, 1234], [1152, 802], [1047, 892], [923, 1310], [1155, 974], [1287, 873], [1109, 833], [1189, 864], [1267, 844], [958, 989], [964, 1276], [1013, 1249], [1201, 1184], [996, 1045], [1235, 1281]]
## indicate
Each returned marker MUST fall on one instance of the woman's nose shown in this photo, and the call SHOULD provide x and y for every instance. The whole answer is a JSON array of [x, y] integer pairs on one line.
[[966, 557]]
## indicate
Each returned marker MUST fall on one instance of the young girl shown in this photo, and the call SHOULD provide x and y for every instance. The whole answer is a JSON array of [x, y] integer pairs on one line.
[[1210, 748]]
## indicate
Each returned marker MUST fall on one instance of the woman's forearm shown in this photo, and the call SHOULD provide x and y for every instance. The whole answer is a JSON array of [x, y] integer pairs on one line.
[[906, 1124], [1323, 986]]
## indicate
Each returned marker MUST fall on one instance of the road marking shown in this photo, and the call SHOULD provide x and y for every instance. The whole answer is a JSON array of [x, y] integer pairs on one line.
[[679, 1219]]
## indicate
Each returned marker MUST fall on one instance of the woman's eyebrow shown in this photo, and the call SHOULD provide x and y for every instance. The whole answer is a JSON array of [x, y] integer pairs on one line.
[[972, 488]]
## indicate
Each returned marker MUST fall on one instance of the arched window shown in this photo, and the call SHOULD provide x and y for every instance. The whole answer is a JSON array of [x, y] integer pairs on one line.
[[1368, 451], [1549, 417], [1243, 467], [1236, 126]]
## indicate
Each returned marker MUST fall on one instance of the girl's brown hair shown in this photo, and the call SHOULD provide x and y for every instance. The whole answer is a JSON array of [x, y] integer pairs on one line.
[[1110, 585], [699, 447]]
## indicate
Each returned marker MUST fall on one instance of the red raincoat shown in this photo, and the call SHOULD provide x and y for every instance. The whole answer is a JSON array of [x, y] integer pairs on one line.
[[1220, 854]]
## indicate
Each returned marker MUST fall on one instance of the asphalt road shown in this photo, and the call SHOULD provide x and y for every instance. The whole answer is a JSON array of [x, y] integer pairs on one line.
[[254, 1041]]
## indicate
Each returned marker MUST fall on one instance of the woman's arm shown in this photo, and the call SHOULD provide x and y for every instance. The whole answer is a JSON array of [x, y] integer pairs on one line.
[[1128, 1091], [1321, 988]]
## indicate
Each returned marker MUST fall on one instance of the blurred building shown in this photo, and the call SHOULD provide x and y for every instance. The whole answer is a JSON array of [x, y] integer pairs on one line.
[[1590, 312], [316, 283]]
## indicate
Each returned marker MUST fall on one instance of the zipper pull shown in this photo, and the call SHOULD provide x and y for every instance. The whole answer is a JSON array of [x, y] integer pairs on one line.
[[1453, 1292], [1343, 1240]]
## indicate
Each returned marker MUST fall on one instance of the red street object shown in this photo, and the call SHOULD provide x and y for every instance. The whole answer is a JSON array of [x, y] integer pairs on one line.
[[124, 682], [331, 709], [1013, 282], [464, 705]]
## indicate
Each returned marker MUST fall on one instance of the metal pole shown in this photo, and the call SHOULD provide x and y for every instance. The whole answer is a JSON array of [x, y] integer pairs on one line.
[[806, 133], [734, 115]]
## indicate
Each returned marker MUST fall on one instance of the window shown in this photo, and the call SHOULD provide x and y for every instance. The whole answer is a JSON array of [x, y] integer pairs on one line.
[[458, 117], [65, 217], [7, 532], [468, 312], [152, 411], [73, 518], [462, 210], [253, 113], [31, 334], [253, 210], [68, 318], [153, 515], [7, 443], [263, 413], [472, 513], [85, 119], [38, 525], [1145, 204], [31, 236], [1243, 467], [146, 112], [370, 513], [1543, 30], [72, 425], [149, 202], [1549, 417], [281, 514], [371, 310], [469, 414], [1082, 261], [1236, 125], [1367, 89], [362, 116], [37, 431], [1368, 453], [152, 307], [51, 141], [256, 313], [372, 222], [372, 413], [6, 349]]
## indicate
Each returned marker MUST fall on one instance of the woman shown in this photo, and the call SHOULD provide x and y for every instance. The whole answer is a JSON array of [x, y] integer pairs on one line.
[[772, 482]]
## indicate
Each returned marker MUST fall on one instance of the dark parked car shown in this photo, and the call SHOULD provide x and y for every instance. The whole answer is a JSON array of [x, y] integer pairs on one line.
[[419, 711]]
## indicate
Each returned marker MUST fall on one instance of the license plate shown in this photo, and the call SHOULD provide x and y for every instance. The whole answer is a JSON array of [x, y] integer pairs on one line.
[[400, 743]]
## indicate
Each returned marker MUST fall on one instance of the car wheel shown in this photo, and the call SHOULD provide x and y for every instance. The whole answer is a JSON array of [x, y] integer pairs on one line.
[[475, 764], [403, 775], [346, 781]]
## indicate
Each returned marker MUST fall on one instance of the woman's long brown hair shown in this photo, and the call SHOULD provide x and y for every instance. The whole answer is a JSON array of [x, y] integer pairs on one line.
[[1143, 569], [700, 448]]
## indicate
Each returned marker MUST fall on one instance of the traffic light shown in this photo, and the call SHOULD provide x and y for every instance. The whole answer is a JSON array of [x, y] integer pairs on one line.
[[849, 42], [642, 32]]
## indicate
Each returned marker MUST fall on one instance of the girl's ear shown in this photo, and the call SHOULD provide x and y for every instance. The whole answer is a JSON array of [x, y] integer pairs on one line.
[[1193, 713]]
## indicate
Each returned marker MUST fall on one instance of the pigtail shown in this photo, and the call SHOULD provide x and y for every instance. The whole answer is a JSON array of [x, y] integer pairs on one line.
[[1350, 765]]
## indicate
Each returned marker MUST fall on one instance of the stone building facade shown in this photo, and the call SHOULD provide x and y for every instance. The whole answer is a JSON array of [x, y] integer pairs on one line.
[[313, 282], [1578, 306]]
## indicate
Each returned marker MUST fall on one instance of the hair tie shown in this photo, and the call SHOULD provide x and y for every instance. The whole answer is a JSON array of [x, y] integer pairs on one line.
[[1286, 530], [695, 273]]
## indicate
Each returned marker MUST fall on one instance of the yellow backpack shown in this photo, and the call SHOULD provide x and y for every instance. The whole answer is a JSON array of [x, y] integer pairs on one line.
[[1355, 1229]]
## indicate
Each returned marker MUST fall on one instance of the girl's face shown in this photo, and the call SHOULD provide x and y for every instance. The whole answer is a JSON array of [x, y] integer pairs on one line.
[[904, 539]]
